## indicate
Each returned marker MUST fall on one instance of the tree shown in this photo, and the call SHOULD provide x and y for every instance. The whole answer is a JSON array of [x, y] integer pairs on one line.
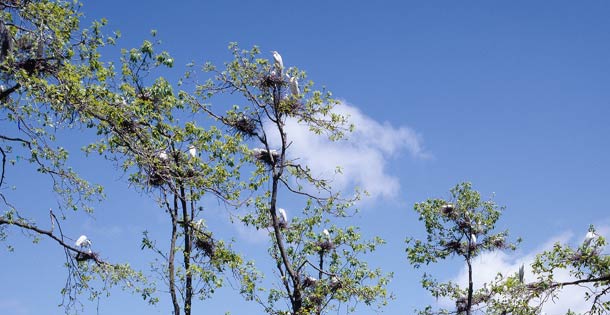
[[51, 79], [587, 266], [178, 164], [318, 264], [462, 226]]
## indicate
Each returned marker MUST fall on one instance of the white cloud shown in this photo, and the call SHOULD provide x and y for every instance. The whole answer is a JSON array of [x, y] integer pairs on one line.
[[363, 157], [488, 265]]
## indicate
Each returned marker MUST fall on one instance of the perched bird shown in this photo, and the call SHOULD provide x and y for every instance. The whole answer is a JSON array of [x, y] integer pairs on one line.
[[198, 224], [521, 274], [263, 155], [294, 86], [83, 241], [163, 155], [192, 151], [589, 238], [473, 239], [327, 234], [283, 216], [278, 61]]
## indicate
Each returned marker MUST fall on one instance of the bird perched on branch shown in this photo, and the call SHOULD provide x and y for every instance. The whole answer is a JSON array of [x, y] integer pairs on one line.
[[192, 151], [294, 86], [279, 64], [83, 241], [283, 218]]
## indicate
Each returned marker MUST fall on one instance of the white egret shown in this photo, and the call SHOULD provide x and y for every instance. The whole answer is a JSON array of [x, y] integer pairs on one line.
[[327, 234], [283, 215], [294, 86], [192, 151], [163, 155], [278, 61], [83, 241], [198, 224], [473, 239], [589, 238]]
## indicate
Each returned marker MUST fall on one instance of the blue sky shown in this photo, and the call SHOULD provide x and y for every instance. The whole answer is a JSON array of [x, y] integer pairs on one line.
[[512, 96]]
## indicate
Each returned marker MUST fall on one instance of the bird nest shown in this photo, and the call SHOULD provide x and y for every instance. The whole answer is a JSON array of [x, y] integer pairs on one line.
[[243, 125], [271, 80], [206, 245], [85, 256], [155, 179], [326, 246], [268, 157], [448, 210], [309, 281]]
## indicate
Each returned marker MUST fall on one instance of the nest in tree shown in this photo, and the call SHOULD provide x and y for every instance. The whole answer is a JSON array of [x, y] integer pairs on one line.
[[447, 210], [37, 65], [205, 244], [315, 299], [155, 179], [453, 246], [268, 157], [461, 304], [244, 125], [499, 242], [309, 281], [463, 225], [335, 284], [270, 80], [129, 125], [326, 245], [85, 256]]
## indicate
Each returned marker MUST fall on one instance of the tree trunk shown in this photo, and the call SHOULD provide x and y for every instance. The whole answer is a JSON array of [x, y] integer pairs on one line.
[[172, 253]]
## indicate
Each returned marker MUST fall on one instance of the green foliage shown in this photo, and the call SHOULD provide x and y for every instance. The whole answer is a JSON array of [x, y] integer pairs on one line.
[[461, 226], [316, 273]]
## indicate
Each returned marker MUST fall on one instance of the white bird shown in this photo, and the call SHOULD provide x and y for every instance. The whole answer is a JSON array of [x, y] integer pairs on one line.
[[163, 155], [278, 61], [83, 241], [198, 224], [283, 216], [327, 234], [192, 151], [294, 86], [589, 238], [473, 239]]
